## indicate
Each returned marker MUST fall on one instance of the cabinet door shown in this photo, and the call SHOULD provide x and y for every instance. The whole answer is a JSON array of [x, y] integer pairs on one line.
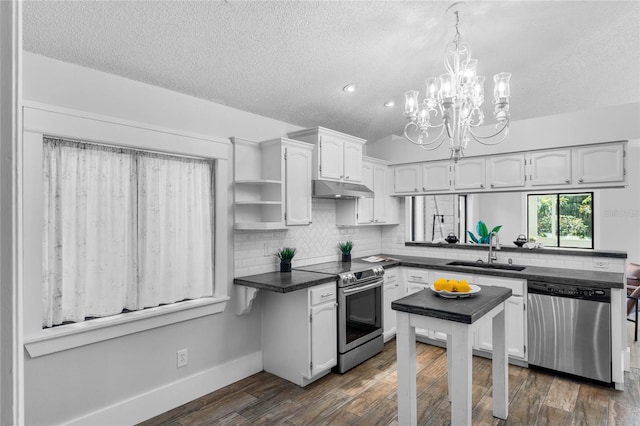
[[506, 171], [331, 157], [550, 167], [323, 339], [469, 174], [514, 315], [365, 205], [298, 185], [406, 178], [600, 164], [352, 161], [389, 315], [435, 176], [380, 189], [516, 336]]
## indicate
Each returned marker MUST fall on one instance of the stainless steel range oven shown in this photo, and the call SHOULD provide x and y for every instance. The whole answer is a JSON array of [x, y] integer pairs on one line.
[[359, 310], [359, 317]]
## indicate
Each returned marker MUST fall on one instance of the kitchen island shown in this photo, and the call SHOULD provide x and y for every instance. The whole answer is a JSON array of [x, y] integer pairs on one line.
[[458, 318]]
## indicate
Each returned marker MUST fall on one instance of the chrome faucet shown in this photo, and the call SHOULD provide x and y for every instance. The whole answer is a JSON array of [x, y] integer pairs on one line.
[[492, 254]]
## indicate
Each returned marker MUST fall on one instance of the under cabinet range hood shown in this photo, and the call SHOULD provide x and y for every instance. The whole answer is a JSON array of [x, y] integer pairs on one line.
[[329, 189]]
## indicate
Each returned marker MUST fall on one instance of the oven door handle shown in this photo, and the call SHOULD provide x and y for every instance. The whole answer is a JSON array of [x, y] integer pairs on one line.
[[359, 289]]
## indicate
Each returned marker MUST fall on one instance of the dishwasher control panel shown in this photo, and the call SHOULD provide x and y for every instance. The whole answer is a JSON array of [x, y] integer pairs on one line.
[[565, 290]]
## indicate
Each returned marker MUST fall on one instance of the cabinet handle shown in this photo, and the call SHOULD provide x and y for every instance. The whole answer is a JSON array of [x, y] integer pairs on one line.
[[326, 295], [481, 185], [567, 180], [415, 189], [346, 177], [415, 277], [580, 180], [492, 185]]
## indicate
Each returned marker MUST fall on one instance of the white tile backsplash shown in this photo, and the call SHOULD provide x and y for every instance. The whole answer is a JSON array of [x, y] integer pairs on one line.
[[315, 243]]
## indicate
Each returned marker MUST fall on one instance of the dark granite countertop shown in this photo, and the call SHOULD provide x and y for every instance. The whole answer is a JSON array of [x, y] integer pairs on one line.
[[576, 277], [509, 247], [284, 282], [465, 310]]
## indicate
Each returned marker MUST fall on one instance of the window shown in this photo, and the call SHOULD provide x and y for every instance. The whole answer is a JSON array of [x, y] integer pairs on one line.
[[435, 216], [561, 220], [124, 230]]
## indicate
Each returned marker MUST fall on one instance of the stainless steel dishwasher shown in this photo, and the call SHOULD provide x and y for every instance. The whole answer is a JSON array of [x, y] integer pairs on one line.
[[570, 329]]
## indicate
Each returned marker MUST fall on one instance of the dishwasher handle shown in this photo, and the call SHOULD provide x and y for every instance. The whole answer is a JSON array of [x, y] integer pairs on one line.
[[570, 291]]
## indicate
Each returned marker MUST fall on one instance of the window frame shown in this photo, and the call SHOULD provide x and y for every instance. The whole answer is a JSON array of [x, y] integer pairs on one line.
[[557, 218], [40, 120]]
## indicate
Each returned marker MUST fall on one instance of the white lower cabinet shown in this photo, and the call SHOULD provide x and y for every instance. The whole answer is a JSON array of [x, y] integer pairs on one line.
[[515, 317], [436, 335], [413, 280], [299, 333], [391, 292]]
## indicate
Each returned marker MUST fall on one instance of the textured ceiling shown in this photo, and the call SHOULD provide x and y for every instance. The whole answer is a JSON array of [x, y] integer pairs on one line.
[[289, 60]]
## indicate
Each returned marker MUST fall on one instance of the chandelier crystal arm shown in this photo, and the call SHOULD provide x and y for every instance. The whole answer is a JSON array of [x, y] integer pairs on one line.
[[503, 131], [422, 138]]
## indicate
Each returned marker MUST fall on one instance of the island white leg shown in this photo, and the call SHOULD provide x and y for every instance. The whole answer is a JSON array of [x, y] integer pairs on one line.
[[459, 367], [449, 366], [406, 365], [500, 367]]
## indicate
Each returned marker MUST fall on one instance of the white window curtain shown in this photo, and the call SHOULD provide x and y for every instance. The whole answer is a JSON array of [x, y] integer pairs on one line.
[[123, 230], [174, 216]]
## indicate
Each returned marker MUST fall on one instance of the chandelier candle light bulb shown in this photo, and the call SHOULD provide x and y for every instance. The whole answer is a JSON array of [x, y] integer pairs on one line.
[[457, 96]]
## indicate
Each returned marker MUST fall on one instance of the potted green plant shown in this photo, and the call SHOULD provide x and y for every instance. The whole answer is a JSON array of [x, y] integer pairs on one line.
[[285, 255], [484, 234], [345, 249]]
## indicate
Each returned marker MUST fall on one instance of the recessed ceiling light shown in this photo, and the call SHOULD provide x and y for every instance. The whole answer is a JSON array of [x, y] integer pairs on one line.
[[349, 88], [390, 103]]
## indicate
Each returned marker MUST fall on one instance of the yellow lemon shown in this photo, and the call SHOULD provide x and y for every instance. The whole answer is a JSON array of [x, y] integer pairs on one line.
[[451, 285], [463, 287], [439, 284]]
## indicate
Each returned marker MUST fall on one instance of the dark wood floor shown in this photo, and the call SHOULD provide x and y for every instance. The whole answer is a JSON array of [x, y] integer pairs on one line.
[[366, 395]]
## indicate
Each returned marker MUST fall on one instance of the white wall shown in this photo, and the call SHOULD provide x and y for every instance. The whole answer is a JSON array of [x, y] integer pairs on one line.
[[577, 128], [69, 384]]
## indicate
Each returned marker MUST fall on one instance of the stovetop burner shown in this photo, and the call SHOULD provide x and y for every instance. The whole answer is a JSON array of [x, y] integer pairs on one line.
[[346, 272]]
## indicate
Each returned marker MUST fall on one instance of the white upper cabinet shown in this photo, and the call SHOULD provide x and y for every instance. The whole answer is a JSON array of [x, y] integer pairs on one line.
[[599, 164], [469, 173], [407, 178], [506, 171], [352, 164], [272, 183], [381, 200], [365, 205], [331, 164], [549, 167], [297, 182], [436, 176], [381, 209], [337, 156]]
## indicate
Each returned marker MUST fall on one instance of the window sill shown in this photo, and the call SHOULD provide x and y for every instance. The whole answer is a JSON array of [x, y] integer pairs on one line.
[[71, 336]]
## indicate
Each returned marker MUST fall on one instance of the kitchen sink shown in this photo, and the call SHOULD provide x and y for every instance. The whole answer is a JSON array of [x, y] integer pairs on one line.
[[487, 265]]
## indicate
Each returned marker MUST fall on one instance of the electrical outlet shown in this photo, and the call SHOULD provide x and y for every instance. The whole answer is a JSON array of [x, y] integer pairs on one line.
[[182, 358], [266, 250], [601, 264]]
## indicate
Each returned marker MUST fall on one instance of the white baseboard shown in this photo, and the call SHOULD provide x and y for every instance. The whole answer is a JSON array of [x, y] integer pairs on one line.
[[157, 401]]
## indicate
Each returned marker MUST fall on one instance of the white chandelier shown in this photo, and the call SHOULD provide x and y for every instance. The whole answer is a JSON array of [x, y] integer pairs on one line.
[[457, 96]]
